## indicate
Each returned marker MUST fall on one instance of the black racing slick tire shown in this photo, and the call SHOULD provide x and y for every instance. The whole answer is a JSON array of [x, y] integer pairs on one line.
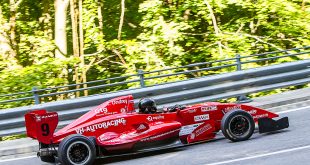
[[76, 150], [237, 125]]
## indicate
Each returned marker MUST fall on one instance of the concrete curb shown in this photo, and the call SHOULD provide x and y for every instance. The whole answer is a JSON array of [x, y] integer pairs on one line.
[[275, 103], [280, 99], [18, 146]]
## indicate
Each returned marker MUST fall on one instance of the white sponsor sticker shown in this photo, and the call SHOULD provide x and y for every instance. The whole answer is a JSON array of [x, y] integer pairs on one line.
[[260, 116], [119, 102], [252, 112], [236, 107], [201, 117], [193, 136], [154, 118], [38, 118], [188, 129], [101, 110], [209, 108], [141, 127], [191, 110], [203, 129], [123, 110]]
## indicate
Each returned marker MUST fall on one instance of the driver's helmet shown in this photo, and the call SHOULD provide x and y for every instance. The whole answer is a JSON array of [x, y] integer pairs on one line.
[[147, 105]]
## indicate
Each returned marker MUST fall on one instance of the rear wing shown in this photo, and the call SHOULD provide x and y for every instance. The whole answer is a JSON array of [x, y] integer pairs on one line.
[[41, 125]]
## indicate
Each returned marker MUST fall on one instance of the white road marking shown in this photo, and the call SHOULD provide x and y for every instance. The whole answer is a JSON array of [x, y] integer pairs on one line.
[[292, 110], [261, 155], [13, 159]]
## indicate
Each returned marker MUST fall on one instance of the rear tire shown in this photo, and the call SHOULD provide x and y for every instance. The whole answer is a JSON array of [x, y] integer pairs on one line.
[[237, 125], [76, 150]]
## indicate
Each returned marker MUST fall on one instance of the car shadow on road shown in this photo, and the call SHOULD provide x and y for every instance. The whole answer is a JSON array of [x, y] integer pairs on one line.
[[136, 156]]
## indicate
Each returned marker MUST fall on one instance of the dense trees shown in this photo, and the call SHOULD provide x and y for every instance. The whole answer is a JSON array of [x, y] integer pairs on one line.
[[49, 43]]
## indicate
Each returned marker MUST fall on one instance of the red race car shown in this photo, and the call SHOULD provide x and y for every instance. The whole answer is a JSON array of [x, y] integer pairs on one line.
[[115, 128]]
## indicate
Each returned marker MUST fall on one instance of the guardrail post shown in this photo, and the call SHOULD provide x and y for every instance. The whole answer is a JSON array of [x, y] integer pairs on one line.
[[241, 98], [141, 75], [35, 95], [238, 62]]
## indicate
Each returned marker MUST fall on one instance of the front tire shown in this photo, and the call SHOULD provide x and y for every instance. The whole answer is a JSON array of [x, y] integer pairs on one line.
[[76, 150], [237, 125]]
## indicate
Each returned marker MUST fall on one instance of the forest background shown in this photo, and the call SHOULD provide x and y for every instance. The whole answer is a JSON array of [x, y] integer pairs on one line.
[[48, 43]]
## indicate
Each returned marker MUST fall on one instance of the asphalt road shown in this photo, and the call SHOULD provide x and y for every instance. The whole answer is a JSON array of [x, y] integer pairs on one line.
[[286, 147]]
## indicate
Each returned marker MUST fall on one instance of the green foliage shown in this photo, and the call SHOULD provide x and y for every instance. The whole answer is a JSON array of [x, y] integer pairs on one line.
[[156, 35], [43, 75]]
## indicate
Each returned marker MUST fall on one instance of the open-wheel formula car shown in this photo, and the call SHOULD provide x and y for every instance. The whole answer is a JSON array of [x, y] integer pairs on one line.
[[115, 128]]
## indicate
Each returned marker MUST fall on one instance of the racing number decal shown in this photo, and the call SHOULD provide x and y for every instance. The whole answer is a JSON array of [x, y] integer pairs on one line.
[[45, 129]]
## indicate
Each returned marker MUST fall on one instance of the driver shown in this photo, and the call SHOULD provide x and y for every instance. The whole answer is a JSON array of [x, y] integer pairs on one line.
[[147, 105]]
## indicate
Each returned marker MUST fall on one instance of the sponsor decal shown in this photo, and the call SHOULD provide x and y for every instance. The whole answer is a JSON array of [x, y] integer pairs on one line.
[[203, 129], [119, 102], [103, 138], [252, 112], [141, 127], [103, 125], [49, 116], [101, 110], [192, 110], [260, 116], [188, 129], [159, 136], [39, 118], [236, 107], [209, 108], [154, 118], [123, 110], [201, 117], [193, 136]]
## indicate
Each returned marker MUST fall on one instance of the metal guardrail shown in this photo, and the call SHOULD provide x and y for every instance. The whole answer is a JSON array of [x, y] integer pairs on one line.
[[144, 78], [183, 92]]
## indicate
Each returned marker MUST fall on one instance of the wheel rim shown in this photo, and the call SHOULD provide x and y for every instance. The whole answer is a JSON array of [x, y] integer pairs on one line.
[[78, 153], [239, 126]]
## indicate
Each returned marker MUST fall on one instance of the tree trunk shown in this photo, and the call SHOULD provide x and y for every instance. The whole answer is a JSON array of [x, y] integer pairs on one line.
[[60, 28], [45, 20], [100, 19], [215, 27], [84, 78], [75, 42], [61, 7], [5, 47], [13, 42], [121, 21], [303, 3]]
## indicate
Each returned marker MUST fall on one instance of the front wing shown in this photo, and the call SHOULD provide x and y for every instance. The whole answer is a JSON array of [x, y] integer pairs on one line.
[[269, 125]]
